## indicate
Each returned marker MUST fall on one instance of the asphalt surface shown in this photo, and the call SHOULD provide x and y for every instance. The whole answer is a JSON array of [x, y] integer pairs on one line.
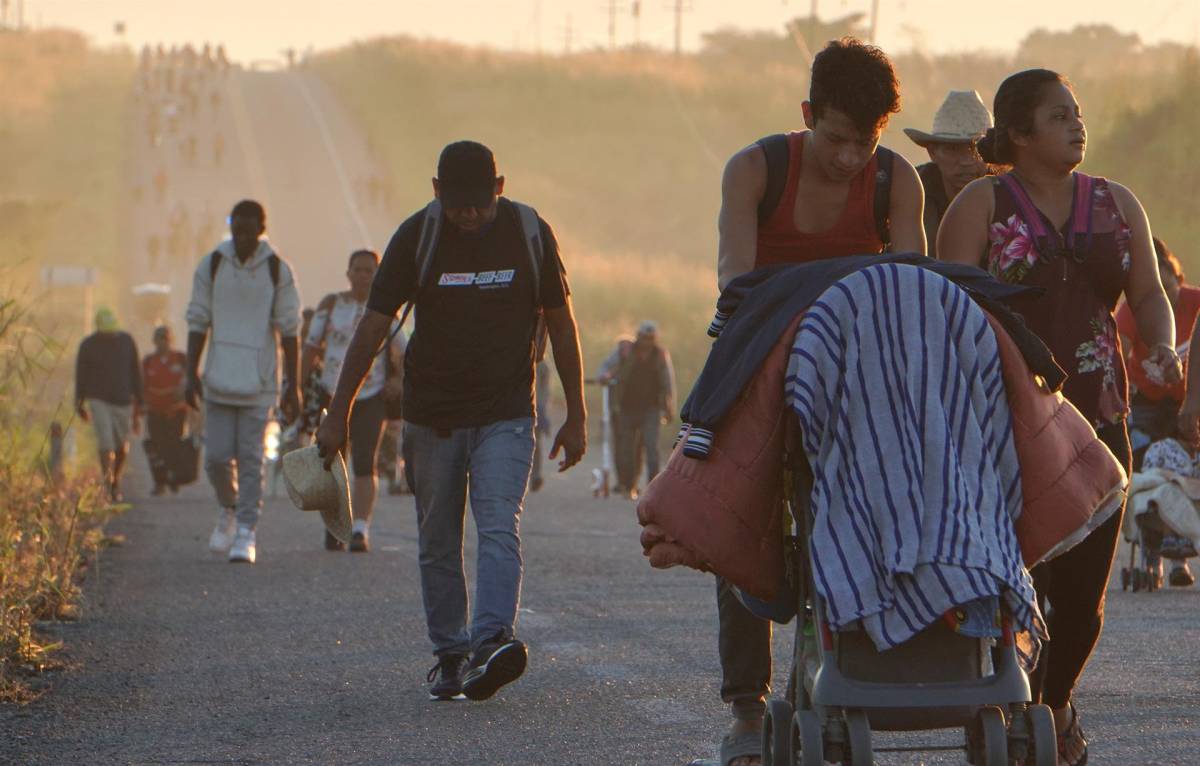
[[312, 657]]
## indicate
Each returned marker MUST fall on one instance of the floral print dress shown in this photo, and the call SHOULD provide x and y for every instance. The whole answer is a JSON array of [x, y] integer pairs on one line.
[[1074, 317]]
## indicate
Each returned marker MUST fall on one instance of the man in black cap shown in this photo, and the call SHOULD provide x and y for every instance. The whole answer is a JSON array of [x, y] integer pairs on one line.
[[484, 275]]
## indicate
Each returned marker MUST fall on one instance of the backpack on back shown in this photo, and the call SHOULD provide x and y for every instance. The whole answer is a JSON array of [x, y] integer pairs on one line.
[[217, 256], [778, 154], [431, 232]]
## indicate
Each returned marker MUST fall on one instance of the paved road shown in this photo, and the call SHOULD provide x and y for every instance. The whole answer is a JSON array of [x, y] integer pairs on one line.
[[291, 146], [318, 658]]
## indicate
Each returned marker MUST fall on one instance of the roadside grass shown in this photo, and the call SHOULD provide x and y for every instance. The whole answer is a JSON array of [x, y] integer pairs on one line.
[[51, 515], [64, 110]]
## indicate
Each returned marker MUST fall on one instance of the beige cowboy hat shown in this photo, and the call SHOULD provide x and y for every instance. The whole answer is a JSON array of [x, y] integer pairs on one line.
[[312, 488], [961, 118]]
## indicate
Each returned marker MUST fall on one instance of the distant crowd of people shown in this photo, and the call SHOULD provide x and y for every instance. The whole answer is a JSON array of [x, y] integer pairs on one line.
[[181, 96]]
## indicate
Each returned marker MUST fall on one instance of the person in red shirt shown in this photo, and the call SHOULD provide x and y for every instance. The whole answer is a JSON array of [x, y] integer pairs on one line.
[[166, 411], [1154, 405]]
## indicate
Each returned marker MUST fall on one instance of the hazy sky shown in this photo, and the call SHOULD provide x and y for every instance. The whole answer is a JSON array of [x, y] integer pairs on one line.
[[254, 29]]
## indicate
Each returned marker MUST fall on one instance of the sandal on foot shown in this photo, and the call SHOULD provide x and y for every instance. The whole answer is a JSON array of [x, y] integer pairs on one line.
[[1073, 733], [745, 745]]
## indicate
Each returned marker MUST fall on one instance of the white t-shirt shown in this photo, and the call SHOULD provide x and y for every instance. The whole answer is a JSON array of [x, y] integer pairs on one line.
[[335, 326]]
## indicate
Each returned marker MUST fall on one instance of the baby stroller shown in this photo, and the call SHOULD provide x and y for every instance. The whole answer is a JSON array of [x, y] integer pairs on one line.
[[1151, 531], [842, 688]]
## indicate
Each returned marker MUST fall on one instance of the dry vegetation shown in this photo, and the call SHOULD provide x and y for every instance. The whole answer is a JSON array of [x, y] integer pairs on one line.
[[623, 152], [62, 142], [50, 513], [64, 110]]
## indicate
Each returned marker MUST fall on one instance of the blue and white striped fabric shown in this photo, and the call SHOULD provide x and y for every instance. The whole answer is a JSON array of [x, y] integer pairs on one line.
[[895, 376]]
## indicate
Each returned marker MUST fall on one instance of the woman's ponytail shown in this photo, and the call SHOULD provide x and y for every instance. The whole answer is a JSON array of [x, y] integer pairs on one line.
[[987, 148]]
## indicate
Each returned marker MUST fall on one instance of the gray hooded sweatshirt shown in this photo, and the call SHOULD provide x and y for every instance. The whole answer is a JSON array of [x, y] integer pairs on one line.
[[245, 315]]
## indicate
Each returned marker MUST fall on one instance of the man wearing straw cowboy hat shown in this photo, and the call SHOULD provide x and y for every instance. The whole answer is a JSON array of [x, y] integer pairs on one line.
[[483, 272], [959, 123]]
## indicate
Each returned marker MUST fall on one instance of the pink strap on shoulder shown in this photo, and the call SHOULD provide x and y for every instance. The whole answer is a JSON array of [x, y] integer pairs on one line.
[[1025, 207], [1081, 213]]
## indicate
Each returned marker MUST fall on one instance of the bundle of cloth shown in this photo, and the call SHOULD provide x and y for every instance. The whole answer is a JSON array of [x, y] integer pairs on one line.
[[1164, 509], [917, 411]]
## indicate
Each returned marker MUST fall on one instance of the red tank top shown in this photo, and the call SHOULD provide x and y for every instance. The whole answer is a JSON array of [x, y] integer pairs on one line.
[[779, 242]]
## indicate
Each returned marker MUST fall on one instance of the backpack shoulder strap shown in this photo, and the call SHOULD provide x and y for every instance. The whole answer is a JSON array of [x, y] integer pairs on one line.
[[431, 231], [885, 160], [214, 263], [778, 154], [532, 230]]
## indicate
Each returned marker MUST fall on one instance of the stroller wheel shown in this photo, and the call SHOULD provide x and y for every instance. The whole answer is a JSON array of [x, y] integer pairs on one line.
[[808, 746], [1043, 747], [858, 737], [991, 738], [777, 734]]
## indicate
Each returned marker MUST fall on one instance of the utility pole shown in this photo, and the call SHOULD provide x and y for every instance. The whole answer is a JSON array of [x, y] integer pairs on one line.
[[568, 35], [679, 6], [637, 23], [874, 20], [611, 7], [537, 25]]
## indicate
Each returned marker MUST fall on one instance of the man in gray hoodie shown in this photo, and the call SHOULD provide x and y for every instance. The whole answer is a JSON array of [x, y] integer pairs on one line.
[[245, 297]]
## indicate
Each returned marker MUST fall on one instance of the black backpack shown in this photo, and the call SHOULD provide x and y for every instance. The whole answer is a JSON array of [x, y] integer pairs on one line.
[[778, 154]]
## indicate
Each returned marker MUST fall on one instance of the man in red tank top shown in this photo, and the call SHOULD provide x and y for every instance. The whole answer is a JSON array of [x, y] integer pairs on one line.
[[827, 208]]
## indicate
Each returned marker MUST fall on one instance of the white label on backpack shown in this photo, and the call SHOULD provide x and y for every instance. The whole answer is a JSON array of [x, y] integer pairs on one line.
[[459, 279]]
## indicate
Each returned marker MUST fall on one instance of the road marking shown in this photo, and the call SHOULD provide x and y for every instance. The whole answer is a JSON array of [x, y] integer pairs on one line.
[[331, 150]]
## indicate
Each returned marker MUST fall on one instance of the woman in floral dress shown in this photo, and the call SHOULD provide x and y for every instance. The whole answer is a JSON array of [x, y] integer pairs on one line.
[[1086, 241]]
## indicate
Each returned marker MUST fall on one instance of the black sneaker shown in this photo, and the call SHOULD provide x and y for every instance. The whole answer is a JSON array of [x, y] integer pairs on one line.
[[332, 543], [1181, 577], [447, 678], [496, 663], [358, 543]]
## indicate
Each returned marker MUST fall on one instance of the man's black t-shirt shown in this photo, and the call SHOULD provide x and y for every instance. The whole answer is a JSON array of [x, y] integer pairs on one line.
[[471, 356]]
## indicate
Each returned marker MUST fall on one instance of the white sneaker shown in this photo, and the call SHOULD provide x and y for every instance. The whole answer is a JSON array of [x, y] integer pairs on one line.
[[243, 549], [222, 534]]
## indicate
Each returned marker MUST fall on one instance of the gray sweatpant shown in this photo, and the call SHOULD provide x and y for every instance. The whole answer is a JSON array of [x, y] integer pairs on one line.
[[234, 435]]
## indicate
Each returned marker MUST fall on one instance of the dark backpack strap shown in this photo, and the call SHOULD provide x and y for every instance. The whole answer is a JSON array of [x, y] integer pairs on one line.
[[531, 229], [431, 231], [214, 263], [778, 155], [885, 160]]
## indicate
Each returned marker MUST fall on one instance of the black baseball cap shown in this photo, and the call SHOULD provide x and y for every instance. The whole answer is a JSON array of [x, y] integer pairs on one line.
[[466, 175]]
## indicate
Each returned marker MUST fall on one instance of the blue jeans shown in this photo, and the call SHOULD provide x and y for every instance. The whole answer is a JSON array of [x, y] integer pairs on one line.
[[492, 462]]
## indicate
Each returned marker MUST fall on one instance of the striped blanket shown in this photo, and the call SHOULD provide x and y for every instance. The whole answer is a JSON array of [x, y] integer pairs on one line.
[[895, 377]]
